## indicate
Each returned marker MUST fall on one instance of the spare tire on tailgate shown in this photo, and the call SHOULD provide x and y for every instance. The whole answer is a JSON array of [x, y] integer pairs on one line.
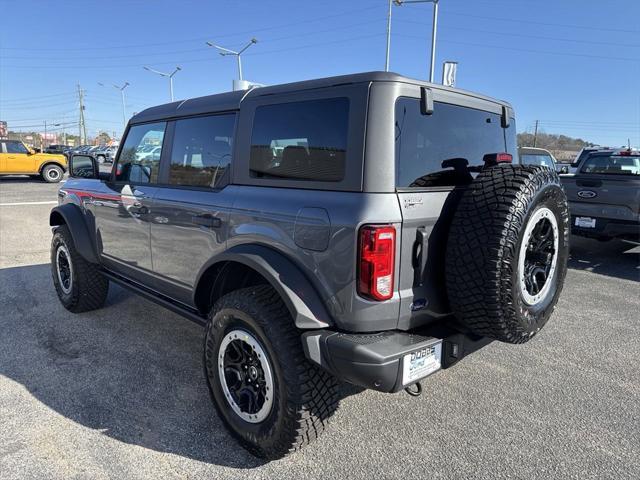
[[507, 252]]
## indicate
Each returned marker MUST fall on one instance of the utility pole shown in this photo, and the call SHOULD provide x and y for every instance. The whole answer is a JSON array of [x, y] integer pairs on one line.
[[45, 137], [82, 127], [535, 134]]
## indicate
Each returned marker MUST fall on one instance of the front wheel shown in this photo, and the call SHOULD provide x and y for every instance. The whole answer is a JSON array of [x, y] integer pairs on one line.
[[268, 395], [52, 173], [79, 284]]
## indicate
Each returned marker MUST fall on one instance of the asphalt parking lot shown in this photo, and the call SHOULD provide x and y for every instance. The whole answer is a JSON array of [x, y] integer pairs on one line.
[[120, 393]]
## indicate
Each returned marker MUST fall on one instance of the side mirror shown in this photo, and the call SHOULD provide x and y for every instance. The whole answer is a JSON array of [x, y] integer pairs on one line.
[[83, 166], [564, 169]]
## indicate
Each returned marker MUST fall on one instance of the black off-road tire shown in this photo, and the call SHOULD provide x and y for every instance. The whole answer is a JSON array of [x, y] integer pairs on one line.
[[52, 173], [305, 397], [484, 249], [88, 287]]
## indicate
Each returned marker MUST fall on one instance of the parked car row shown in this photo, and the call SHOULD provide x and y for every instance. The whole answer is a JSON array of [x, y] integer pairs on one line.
[[603, 189]]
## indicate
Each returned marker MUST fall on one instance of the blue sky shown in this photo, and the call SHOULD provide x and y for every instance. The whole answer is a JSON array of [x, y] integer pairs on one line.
[[572, 64]]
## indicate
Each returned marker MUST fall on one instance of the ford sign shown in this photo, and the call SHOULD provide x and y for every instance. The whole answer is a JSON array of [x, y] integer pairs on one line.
[[587, 194]]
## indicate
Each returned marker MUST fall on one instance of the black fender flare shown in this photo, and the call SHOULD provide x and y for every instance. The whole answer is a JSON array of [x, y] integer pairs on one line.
[[71, 215], [300, 297]]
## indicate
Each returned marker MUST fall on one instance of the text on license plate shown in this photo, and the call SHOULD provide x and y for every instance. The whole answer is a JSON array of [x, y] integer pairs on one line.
[[423, 362], [585, 222]]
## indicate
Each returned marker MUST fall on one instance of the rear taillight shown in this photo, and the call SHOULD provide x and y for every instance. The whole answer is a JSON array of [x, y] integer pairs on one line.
[[491, 159], [376, 261]]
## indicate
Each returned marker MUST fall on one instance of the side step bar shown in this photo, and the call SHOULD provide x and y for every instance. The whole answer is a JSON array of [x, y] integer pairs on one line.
[[176, 307]]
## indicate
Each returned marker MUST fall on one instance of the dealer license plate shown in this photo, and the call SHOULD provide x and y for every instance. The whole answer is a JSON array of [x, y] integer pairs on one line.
[[423, 362], [585, 222]]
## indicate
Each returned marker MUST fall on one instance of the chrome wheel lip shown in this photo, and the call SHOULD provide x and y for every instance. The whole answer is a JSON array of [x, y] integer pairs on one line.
[[53, 174], [65, 285], [540, 215], [249, 339]]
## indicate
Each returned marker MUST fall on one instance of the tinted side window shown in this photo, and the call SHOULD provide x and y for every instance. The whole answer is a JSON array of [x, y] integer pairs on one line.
[[301, 140], [447, 147], [139, 160], [16, 147], [201, 151]]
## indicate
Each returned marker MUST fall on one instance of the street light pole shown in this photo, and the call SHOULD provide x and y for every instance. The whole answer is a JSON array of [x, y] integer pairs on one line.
[[434, 29], [226, 51], [168, 75], [386, 62], [124, 108]]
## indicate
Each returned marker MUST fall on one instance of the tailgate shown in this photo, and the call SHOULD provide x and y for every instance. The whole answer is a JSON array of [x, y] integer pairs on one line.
[[608, 196], [426, 217]]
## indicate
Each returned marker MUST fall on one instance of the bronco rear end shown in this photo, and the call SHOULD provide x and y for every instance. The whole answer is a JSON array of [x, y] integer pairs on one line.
[[426, 147]]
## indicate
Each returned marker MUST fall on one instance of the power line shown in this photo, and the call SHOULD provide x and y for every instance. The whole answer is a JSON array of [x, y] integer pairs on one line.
[[208, 59], [538, 37], [544, 52], [200, 39], [549, 24]]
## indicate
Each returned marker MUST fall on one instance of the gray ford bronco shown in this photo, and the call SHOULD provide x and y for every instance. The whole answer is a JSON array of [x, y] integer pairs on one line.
[[369, 229]]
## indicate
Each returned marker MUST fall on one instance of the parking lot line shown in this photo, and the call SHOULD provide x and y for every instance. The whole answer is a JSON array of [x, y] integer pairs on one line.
[[15, 204]]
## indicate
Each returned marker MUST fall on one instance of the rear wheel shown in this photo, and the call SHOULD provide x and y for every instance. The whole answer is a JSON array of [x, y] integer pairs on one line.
[[268, 395], [507, 252], [52, 173]]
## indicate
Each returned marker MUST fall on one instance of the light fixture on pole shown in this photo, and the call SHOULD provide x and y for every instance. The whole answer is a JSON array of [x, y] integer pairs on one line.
[[121, 88], [226, 51], [434, 29], [169, 75]]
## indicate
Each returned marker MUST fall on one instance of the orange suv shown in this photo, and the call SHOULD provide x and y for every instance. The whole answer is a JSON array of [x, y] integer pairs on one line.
[[17, 159]]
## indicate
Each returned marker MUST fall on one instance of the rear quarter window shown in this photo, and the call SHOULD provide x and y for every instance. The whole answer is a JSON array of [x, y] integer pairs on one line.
[[304, 140], [446, 148]]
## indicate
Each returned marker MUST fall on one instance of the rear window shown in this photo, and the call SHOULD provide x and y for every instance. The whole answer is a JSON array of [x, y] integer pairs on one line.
[[612, 165], [447, 147], [201, 151], [300, 140]]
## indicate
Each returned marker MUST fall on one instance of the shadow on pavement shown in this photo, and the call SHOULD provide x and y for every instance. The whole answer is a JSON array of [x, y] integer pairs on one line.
[[131, 370], [614, 258], [21, 179]]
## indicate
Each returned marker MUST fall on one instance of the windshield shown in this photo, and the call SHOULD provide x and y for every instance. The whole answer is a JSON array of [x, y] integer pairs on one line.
[[612, 165]]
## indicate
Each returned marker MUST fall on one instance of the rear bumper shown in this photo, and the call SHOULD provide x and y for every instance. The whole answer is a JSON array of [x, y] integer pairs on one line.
[[375, 360], [607, 228]]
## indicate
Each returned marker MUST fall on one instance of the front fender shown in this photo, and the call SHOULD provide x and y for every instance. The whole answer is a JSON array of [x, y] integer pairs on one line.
[[300, 297], [70, 214]]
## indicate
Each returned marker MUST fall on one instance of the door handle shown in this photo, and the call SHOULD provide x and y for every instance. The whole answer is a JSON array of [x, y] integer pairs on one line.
[[419, 256], [206, 220]]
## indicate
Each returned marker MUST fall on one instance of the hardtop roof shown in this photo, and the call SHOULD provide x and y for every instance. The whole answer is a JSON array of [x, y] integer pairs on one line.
[[231, 100]]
